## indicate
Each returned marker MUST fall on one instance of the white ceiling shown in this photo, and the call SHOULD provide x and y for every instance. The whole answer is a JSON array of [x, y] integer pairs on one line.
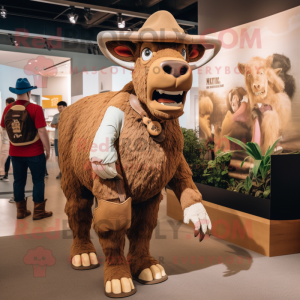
[[20, 60]]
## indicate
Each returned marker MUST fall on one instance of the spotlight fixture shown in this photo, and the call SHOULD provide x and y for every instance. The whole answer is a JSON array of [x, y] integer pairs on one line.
[[13, 42], [121, 22], [72, 16], [3, 13], [87, 14]]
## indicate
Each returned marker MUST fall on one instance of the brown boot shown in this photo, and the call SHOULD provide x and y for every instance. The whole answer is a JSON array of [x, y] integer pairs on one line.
[[22, 211], [39, 211]]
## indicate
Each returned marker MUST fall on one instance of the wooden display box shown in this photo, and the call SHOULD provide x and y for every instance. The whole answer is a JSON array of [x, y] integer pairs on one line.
[[270, 227]]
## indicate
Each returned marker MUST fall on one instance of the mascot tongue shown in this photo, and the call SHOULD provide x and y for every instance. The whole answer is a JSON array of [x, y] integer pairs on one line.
[[162, 100]]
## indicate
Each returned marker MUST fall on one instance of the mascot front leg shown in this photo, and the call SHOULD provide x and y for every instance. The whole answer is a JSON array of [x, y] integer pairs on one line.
[[190, 200], [144, 268], [117, 276], [78, 209], [111, 220]]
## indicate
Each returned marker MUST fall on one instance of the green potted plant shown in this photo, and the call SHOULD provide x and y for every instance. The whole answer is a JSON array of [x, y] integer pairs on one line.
[[258, 181]]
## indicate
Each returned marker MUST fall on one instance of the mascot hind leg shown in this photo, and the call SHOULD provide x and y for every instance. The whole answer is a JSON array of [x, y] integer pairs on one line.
[[144, 268]]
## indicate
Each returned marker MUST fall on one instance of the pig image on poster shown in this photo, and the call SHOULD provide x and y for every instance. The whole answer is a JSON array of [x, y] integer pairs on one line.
[[124, 147]]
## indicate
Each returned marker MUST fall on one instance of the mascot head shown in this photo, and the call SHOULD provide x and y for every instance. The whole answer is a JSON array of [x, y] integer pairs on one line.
[[162, 57]]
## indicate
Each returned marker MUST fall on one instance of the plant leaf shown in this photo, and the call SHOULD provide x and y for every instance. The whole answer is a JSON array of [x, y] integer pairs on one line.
[[251, 148], [266, 193], [248, 184], [244, 160], [258, 193], [228, 152], [270, 150], [258, 150], [256, 167], [236, 141]]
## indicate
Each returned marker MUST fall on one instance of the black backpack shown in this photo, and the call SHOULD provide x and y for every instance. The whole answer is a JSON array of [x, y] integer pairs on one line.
[[20, 127]]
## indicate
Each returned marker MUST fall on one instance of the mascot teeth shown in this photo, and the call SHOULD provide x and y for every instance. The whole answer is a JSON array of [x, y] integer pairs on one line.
[[174, 98], [171, 104], [170, 93], [258, 94]]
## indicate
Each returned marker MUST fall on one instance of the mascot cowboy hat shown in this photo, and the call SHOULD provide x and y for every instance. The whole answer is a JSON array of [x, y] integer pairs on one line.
[[159, 27]]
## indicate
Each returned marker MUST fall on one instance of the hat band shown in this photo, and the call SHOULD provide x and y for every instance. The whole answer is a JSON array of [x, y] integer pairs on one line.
[[24, 88]]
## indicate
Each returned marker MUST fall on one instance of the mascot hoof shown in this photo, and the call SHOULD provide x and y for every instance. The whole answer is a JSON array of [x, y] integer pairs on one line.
[[119, 288], [85, 261], [154, 274]]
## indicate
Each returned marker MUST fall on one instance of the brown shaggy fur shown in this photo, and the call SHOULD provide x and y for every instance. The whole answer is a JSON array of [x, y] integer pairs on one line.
[[258, 72], [146, 166]]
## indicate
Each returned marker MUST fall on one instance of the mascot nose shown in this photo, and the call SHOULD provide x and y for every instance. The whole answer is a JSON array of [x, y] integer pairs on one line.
[[256, 86], [175, 67]]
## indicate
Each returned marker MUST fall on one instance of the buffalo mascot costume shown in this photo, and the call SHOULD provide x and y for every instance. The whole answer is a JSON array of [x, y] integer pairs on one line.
[[124, 147]]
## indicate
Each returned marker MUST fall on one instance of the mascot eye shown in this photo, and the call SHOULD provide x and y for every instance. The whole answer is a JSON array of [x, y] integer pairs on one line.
[[146, 54], [261, 73], [183, 53], [249, 75]]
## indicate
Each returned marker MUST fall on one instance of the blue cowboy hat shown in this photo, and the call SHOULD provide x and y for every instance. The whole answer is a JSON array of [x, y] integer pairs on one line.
[[22, 86]]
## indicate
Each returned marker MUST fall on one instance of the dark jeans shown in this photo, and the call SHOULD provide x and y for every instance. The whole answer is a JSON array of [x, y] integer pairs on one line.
[[37, 166], [56, 147], [7, 164]]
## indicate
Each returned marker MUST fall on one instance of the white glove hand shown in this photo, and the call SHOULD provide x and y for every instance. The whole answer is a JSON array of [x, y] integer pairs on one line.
[[198, 215], [107, 171]]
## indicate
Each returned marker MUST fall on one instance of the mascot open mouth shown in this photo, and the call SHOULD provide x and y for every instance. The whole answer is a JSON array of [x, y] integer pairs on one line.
[[259, 93], [169, 98]]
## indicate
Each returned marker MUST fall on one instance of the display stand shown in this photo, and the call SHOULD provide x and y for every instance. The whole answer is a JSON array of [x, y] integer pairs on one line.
[[268, 226]]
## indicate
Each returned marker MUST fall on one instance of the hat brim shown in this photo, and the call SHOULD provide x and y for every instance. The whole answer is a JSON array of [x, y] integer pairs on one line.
[[22, 91], [160, 37]]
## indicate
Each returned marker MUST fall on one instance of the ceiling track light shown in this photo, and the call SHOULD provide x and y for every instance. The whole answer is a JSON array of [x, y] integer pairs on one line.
[[121, 22], [87, 14], [3, 13], [72, 16]]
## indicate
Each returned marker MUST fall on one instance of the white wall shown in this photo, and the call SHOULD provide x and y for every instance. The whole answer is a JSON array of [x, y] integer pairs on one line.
[[58, 86], [114, 78], [90, 83], [8, 78], [76, 98], [105, 80], [186, 120], [120, 77]]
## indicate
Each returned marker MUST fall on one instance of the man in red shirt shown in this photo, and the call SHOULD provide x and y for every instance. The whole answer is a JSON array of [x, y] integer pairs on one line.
[[30, 156]]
